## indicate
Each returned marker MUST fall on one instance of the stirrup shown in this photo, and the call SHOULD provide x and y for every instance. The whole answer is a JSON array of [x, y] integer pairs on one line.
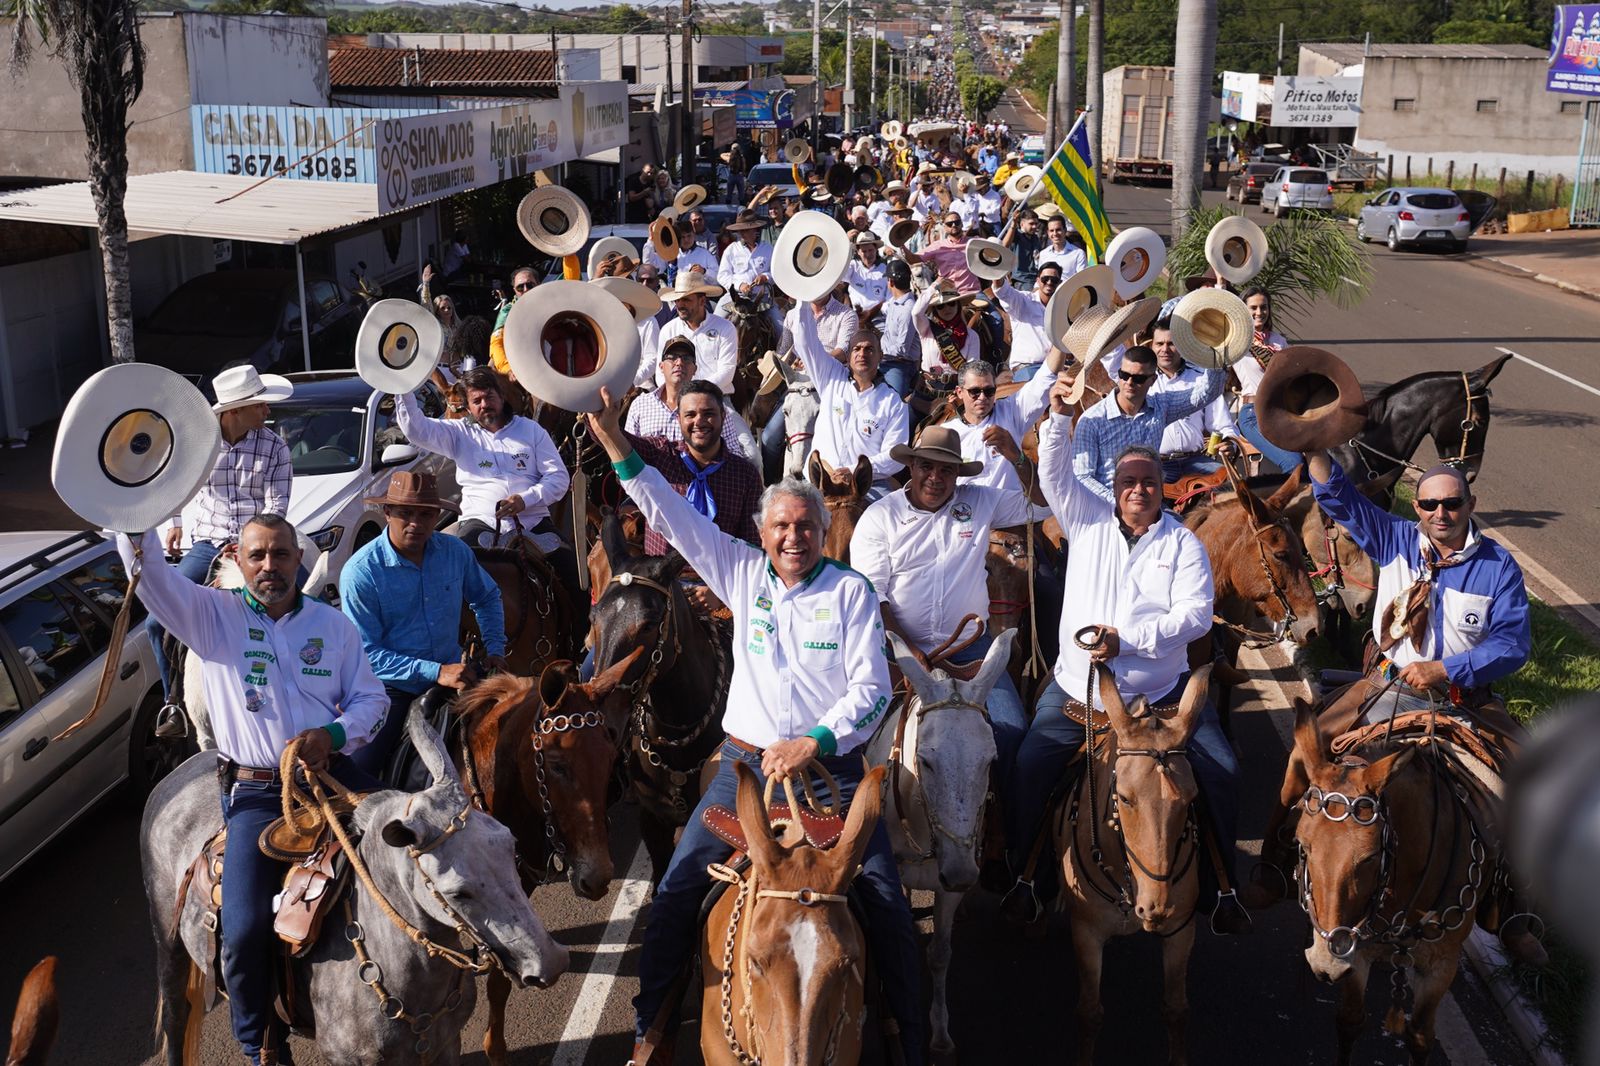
[[1036, 909], [1228, 904], [171, 722]]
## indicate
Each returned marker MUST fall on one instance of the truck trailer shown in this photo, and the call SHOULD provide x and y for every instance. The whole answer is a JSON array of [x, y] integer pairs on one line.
[[1136, 125]]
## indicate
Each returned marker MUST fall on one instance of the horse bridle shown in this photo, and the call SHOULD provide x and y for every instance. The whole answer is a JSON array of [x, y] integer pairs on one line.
[[555, 848], [967, 842], [1280, 626]]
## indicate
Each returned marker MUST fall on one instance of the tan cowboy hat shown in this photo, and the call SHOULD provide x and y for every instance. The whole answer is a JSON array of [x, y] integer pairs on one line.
[[664, 239], [244, 386], [1211, 328], [892, 129], [566, 340], [1019, 185], [771, 376], [938, 444], [945, 292], [925, 169], [1236, 248], [1309, 399], [688, 283], [989, 259], [961, 183], [746, 220], [1047, 210], [865, 237], [1081, 332], [811, 255], [1090, 287], [796, 151], [398, 346], [608, 245], [894, 186], [1121, 326], [412, 488], [553, 220], [689, 197], [640, 299], [1136, 257], [901, 232], [136, 442]]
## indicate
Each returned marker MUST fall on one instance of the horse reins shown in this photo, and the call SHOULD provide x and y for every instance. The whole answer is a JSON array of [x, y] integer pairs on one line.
[[1281, 626], [1469, 423]]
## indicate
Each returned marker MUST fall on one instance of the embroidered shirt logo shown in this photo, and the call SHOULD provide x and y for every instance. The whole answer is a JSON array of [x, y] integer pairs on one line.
[[820, 645], [520, 460], [822, 614], [257, 634], [484, 464], [253, 700], [1471, 618], [311, 654], [763, 601], [962, 512]]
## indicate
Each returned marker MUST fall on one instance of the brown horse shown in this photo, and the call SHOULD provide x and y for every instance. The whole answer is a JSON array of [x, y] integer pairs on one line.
[[677, 689], [538, 615], [1391, 867], [757, 335], [845, 503], [33, 1027], [783, 959], [1131, 860], [539, 759]]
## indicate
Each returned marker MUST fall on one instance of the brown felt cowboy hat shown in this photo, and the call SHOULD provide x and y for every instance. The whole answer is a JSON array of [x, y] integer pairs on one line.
[[937, 444], [1308, 400], [746, 220], [409, 488]]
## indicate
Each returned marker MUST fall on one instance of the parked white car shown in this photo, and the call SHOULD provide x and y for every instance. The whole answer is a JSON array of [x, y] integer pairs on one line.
[[1305, 188], [59, 595]]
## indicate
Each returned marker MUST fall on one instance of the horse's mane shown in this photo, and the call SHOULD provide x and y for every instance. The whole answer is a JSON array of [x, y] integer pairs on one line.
[[489, 693], [497, 554], [228, 575]]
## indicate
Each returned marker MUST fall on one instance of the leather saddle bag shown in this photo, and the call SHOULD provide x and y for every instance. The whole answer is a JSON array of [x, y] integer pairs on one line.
[[310, 889]]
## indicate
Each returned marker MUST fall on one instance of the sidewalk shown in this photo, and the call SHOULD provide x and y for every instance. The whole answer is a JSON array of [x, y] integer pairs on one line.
[[1568, 259]]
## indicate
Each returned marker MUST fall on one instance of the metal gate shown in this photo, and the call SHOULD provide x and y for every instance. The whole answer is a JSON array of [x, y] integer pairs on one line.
[[1586, 188]]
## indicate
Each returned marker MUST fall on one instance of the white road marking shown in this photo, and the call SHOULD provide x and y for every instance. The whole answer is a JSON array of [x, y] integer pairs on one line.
[[1027, 103], [1550, 370], [583, 1024]]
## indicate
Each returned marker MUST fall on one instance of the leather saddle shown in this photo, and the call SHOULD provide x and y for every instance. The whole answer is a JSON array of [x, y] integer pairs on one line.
[[820, 830], [1182, 492]]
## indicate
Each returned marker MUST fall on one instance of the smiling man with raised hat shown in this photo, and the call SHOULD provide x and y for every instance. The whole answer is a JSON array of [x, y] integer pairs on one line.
[[715, 340]]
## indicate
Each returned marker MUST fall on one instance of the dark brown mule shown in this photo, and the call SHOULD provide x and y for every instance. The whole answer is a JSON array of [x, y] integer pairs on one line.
[[539, 617], [757, 335], [845, 503], [677, 688], [1390, 871], [33, 1027], [539, 759]]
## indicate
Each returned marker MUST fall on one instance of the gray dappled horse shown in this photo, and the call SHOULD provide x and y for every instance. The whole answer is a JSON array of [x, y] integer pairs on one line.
[[422, 868]]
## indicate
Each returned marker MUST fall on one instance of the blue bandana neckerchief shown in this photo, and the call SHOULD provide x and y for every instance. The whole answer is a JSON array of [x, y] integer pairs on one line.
[[699, 492]]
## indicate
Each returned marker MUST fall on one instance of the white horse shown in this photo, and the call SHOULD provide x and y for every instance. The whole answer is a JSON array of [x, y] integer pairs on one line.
[[801, 405], [939, 750]]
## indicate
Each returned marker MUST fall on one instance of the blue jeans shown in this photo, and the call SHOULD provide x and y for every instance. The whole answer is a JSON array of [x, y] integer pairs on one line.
[[673, 927], [1042, 771], [249, 881], [1189, 464], [735, 189], [195, 566], [373, 757], [901, 375], [1006, 716], [773, 446], [1251, 431], [1024, 371]]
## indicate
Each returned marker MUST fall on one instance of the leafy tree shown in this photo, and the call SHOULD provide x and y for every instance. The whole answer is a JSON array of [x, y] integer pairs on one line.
[[1482, 31]]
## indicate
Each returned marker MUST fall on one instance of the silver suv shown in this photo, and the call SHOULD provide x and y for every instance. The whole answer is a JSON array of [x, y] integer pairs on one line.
[[59, 595], [1297, 187]]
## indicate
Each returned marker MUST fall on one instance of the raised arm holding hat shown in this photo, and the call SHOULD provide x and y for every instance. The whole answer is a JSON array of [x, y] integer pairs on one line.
[[861, 415], [1030, 338], [810, 680]]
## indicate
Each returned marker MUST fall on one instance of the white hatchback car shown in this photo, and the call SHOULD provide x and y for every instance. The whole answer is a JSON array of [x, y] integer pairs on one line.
[[59, 596], [1415, 217], [1305, 188]]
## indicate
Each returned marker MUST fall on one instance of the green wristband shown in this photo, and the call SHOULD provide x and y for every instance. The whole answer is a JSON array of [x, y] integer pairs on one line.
[[827, 744]]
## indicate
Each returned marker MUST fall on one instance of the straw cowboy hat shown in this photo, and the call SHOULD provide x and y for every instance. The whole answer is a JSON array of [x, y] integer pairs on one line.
[[811, 255], [989, 259], [1082, 330], [901, 232], [690, 282], [894, 186], [1211, 328], [891, 129], [1236, 248], [607, 246], [796, 151], [664, 239], [640, 299], [1309, 399], [1121, 326], [1020, 185], [566, 340], [136, 442], [554, 220], [865, 237], [945, 292], [771, 376], [412, 488], [398, 346], [244, 386], [938, 444], [689, 197], [1136, 257]]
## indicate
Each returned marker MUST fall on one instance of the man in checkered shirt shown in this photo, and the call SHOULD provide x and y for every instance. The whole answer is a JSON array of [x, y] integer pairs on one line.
[[252, 476], [655, 413]]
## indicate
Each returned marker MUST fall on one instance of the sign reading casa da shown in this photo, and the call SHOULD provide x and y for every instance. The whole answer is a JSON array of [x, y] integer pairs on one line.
[[428, 157], [1575, 50]]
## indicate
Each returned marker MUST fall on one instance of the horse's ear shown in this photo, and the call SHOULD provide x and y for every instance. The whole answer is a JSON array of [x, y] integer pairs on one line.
[[917, 677], [1486, 373], [763, 849], [995, 662], [1286, 492], [668, 568], [1380, 488], [1111, 700], [1256, 507], [1193, 701], [865, 809], [33, 1027], [863, 476], [613, 541], [1379, 773], [817, 471], [555, 681], [430, 747], [609, 678], [1308, 735]]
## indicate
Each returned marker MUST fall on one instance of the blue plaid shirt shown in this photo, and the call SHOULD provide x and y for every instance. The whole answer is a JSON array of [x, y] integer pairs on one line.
[[1104, 431]]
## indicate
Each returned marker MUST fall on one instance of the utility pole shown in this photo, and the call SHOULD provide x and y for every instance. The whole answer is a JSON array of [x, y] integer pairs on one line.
[[661, 124], [872, 117], [849, 106], [1280, 49], [691, 135], [816, 75], [1066, 87]]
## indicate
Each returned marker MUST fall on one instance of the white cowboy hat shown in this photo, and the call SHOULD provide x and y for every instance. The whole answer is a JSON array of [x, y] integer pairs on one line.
[[577, 321], [689, 197], [891, 129], [1090, 287], [1212, 328], [607, 246], [690, 282], [811, 255], [664, 239], [554, 220], [1121, 326], [796, 151], [1236, 248], [243, 386], [398, 346], [901, 143], [961, 183], [989, 259], [894, 186], [1136, 257], [640, 298], [135, 444], [1019, 185], [865, 237]]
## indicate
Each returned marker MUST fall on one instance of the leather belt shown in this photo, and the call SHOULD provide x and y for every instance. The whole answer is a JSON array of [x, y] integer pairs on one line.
[[232, 771], [748, 749]]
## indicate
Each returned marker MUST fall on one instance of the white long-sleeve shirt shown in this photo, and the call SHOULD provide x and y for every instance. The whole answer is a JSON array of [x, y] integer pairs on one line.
[[741, 265], [1015, 414], [265, 681], [1071, 258], [1030, 340], [851, 423], [869, 285], [1188, 434], [803, 657], [1158, 593], [930, 565], [520, 459], [688, 259], [649, 351], [716, 349]]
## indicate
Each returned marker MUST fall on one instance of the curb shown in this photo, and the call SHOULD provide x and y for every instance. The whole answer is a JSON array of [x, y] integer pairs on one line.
[[1479, 259], [1527, 1024]]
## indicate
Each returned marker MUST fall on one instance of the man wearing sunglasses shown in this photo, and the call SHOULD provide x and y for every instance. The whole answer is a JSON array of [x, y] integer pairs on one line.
[[1030, 340], [524, 280]]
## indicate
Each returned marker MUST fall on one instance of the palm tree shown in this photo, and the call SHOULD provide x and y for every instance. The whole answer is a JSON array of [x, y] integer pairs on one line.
[[1094, 93], [1191, 104], [98, 42], [1066, 73]]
